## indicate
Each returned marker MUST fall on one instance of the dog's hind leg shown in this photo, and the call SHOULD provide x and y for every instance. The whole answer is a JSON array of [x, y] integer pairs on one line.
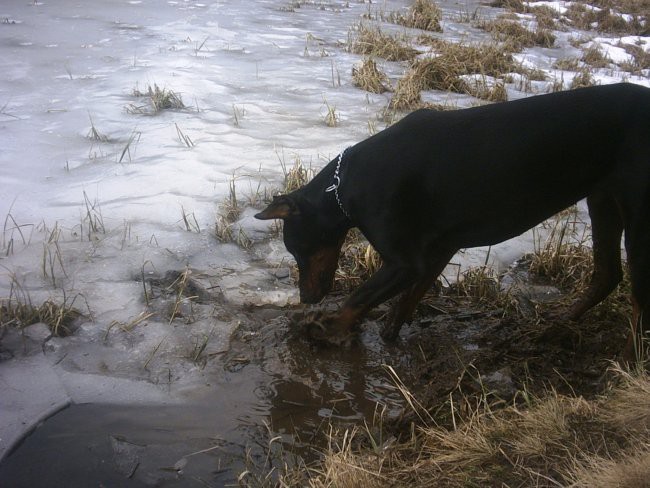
[[637, 243], [403, 310], [607, 229]]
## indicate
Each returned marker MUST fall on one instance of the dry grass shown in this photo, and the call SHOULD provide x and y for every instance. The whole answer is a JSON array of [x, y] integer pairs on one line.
[[407, 92], [296, 176], [583, 79], [565, 258], [159, 99], [331, 117], [607, 16], [371, 41], [516, 35], [368, 77], [482, 283], [640, 59], [594, 57], [422, 14], [557, 441], [447, 69], [599, 15], [513, 5], [357, 263], [17, 310], [567, 64]]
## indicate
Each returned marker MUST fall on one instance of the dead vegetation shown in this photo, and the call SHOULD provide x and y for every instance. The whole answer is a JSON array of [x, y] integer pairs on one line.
[[368, 77], [640, 59], [594, 57], [606, 16], [516, 36], [422, 14], [372, 41], [583, 79], [18, 310], [159, 99], [448, 69], [357, 263]]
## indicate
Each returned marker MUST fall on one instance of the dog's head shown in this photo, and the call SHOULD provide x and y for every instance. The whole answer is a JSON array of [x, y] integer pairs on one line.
[[315, 248]]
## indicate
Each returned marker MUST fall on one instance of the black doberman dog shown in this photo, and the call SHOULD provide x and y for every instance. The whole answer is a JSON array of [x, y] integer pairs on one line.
[[436, 182]]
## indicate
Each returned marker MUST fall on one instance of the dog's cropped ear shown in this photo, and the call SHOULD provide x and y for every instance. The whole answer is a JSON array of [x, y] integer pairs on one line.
[[281, 207]]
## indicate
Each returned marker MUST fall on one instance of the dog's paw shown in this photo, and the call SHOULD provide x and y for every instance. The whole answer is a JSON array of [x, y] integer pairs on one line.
[[321, 328]]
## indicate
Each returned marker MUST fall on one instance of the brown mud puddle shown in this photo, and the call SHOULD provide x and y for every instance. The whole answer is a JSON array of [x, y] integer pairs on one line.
[[280, 395]]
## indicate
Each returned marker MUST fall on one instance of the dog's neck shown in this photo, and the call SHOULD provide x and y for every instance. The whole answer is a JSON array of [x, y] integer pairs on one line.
[[323, 192]]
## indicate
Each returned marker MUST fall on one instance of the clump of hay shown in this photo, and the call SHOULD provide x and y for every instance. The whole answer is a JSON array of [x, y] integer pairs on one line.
[[358, 261], [518, 36], [371, 41], [407, 92], [59, 317], [608, 17], [446, 72], [594, 57], [423, 14], [514, 5], [567, 64], [159, 99], [640, 58], [583, 79], [368, 77]]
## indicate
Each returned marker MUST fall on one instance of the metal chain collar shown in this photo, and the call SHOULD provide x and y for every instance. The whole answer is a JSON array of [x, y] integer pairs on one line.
[[337, 181]]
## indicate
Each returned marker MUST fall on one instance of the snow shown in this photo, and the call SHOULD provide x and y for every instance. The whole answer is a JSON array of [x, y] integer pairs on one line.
[[85, 219]]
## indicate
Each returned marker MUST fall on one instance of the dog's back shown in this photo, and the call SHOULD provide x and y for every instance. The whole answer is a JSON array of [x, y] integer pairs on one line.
[[517, 162]]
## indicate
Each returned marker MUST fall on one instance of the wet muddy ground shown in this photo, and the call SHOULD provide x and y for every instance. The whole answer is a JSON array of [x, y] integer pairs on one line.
[[280, 395]]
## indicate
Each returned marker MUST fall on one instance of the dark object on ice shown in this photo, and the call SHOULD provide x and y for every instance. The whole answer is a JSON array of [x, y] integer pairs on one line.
[[436, 182]]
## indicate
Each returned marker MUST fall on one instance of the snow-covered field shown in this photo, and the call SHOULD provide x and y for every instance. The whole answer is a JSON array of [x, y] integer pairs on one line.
[[96, 192]]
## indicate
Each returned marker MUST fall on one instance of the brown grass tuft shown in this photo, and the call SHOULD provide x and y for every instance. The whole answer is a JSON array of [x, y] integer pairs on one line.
[[159, 99], [565, 258], [516, 35], [445, 72], [514, 5], [607, 18], [358, 261], [555, 441], [19, 311], [407, 92], [368, 77], [371, 41], [422, 14], [583, 79], [594, 57]]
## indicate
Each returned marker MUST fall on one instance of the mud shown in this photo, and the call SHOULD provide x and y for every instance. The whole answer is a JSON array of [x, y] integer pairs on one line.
[[280, 393]]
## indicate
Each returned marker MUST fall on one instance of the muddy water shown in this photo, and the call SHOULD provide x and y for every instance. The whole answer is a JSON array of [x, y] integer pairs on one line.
[[274, 385]]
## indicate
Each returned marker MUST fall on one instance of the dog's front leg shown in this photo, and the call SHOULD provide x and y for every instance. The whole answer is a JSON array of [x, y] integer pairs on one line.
[[402, 312], [337, 327]]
